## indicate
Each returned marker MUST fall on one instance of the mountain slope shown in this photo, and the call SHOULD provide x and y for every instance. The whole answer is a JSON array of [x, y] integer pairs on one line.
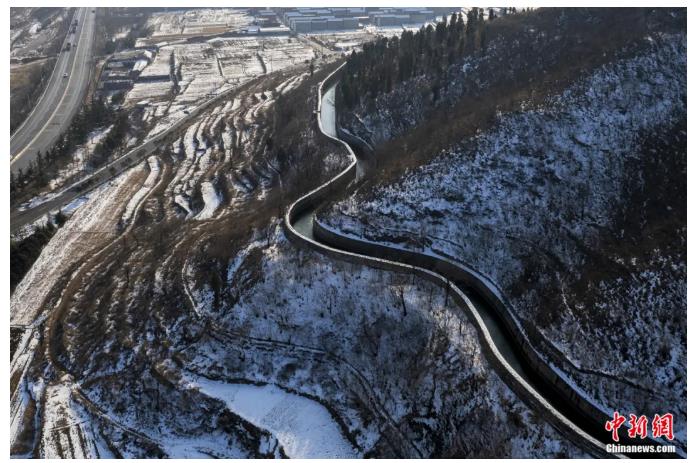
[[573, 207]]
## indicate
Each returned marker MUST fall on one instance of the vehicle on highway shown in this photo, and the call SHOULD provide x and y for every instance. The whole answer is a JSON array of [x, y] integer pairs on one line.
[[65, 75]]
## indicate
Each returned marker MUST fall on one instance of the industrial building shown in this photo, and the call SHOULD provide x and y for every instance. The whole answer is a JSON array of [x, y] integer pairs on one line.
[[305, 20], [400, 16]]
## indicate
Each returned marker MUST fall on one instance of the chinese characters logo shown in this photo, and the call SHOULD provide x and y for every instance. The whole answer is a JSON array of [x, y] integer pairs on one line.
[[662, 426]]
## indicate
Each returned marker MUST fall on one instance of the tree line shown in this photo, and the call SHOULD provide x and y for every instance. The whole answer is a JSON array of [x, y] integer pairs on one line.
[[428, 51], [24, 253], [111, 21]]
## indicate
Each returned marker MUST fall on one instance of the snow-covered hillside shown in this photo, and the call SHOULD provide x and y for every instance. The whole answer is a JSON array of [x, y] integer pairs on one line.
[[376, 348], [544, 205], [172, 316], [90, 375]]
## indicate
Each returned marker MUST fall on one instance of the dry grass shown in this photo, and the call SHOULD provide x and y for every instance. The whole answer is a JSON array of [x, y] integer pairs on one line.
[[26, 87], [20, 74], [122, 278]]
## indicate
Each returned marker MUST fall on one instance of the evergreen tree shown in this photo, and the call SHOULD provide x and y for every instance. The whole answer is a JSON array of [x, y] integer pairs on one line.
[[384, 63], [60, 218]]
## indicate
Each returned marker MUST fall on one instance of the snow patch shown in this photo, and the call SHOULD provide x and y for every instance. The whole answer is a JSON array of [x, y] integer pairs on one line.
[[212, 201], [303, 427]]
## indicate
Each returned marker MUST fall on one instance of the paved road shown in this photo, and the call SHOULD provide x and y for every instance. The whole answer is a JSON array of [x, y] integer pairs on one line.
[[62, 98], [19, 218]]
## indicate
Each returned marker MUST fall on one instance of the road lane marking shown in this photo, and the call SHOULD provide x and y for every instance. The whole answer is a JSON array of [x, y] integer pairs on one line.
[[67, 86], [69, 79], [50, 95], [62, 47]]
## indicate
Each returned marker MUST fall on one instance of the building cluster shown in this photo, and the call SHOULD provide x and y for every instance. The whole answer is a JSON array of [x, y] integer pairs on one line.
[[305, 20], [123, 69], [400, 16], [302, 20], [265, 18]]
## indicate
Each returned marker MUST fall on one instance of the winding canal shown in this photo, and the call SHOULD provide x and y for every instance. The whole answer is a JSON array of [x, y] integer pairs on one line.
[[503, 340]]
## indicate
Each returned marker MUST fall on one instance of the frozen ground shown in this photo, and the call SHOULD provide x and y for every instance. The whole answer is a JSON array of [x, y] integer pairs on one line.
[[204, 69], [270, 53], [92, 224], [211, 199], [71, 434], [106, 404], [31, 37], [303, 427], [229, 133], [149, 183], [79, 158], [66, 432], [204, 21]]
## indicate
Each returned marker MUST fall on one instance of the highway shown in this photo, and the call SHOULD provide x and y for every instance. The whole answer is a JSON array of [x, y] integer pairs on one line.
[[62, 97]]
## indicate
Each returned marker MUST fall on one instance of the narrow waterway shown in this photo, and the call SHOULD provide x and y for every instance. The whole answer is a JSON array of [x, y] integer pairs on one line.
[[502, 338]]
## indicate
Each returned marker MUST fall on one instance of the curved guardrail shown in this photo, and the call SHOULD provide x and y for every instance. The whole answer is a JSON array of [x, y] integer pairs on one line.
[[454, 276]]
